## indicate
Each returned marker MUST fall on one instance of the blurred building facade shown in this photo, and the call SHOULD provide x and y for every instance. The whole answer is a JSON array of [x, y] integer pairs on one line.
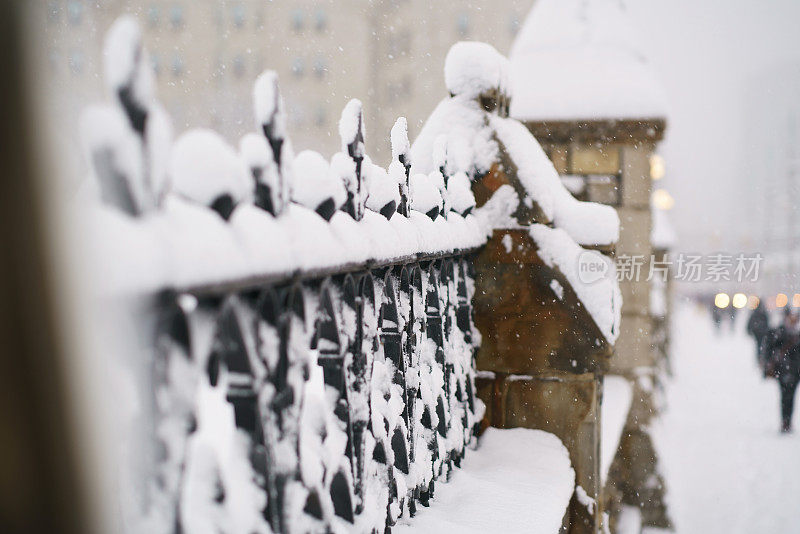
[[206, 55]]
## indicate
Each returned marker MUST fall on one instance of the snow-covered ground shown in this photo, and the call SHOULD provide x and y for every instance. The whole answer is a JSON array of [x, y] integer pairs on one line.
[[728, 469]]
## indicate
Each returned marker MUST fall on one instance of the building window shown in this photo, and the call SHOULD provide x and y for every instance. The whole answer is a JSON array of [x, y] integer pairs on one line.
[[153, 16], [76, 61], [176, 17], [513, 24], [238, 66], [297, 20], [320, 20], [238, 16], [177, 66], [320, 67], [75, 12], [462, 24], [297, 67]]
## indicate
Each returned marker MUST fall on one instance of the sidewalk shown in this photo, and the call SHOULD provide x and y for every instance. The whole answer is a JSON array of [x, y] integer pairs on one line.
[[728, 469]]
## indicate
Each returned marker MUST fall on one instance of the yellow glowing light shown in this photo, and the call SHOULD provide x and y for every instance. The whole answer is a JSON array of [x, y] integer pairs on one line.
[[657, 167], [740, 300], [663, 200], [721, 300], [752, 302], [781, 300], [796, 300]]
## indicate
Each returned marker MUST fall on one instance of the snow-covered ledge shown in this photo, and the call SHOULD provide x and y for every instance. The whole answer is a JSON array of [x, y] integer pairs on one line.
[[516, 481]]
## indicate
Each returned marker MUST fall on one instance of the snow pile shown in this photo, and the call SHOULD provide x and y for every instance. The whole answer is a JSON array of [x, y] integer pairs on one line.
[[205, 169], [579, 59], [384, 193], [587, 223], [315, 186], [601, 297], [470, 146], [617, 397], [480, 497]]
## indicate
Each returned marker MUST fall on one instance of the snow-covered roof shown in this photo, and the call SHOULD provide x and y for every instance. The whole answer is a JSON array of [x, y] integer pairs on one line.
[[580, 59]]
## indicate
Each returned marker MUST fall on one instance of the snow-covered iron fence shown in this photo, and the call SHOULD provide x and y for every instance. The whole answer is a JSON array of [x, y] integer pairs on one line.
[[351, 395], [307, 341]]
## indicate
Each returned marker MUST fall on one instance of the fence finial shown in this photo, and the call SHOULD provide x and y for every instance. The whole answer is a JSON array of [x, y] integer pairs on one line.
[[130, 80], [401, 154], [270, 118], [351, 130]]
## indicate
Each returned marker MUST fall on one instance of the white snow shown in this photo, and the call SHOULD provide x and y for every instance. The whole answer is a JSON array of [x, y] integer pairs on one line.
[[629, 520], [349, 124], [580, 59], [314, 182], [517, 480], [557, 288], [617, 397], [459, 192], [662, 234], [105, 128], [498, 211], [470, 147], [585, 499], [601, 298], [588, 223], [658, 297], [254, 151], [268, 103], [203, 166], [382, 189], [507, 242], [399, 139], [425, 196], [125, 62], [727, 468], [472, 68]]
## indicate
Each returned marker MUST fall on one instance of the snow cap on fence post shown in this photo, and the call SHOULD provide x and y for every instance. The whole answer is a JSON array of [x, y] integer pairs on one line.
[[257, 156], [112, 151], [271, 120], [130, 80], [401, 159], [316, 186], [425, 196], [384, 195], [351, 131], [439, 175], [206, 170], [126, 70], [477, 70]]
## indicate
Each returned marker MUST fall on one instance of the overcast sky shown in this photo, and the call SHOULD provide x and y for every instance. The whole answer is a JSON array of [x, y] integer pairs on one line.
[[730, 68]]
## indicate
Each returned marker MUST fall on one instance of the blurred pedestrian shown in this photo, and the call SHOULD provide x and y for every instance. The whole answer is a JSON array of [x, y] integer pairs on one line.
[[758, 327], [716, 315], [784, 365]]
